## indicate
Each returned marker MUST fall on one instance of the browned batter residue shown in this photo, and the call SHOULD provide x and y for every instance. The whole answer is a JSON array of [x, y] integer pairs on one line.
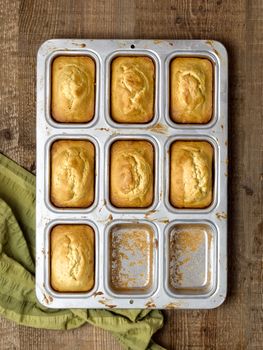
[[184, 239], [47, 298], [221, 215], [150, 212], [150, 304], [103, 129], [105, 302], [210, 42], [131, 249], [159, 128], [172, 306]]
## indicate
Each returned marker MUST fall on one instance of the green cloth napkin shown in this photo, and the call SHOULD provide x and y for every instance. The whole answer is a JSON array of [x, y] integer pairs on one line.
[[133, 328]]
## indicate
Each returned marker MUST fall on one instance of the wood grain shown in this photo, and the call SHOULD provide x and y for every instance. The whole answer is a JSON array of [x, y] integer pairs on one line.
[[237, 324]]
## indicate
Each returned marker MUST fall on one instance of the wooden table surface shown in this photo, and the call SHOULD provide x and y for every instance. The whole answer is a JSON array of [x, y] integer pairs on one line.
[[238, 323]]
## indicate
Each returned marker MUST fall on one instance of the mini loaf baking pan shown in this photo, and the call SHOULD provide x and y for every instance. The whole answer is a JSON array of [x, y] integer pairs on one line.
[[134, 215]]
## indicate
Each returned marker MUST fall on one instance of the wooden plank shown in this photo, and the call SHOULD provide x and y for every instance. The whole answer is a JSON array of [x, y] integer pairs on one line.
[[9, 101], [238, 324], [252, 180]]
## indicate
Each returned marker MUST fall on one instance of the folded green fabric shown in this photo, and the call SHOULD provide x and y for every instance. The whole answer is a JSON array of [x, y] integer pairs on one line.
[[133, 328]]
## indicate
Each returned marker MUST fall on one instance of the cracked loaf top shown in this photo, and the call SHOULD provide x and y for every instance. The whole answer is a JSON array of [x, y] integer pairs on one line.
[[132, 89], [72, 173], [191, 90], [73, 89], [191, 174], [72, 258], [132, 174]]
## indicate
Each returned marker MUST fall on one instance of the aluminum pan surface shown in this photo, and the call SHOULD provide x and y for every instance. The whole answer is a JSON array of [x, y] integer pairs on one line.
[[160, 130]]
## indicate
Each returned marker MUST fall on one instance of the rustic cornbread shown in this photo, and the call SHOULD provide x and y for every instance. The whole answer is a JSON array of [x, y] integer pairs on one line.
[[131, 174], [72, 258], [73, 89], [191, 174], [132, 89], [72, 173], [191, 95]]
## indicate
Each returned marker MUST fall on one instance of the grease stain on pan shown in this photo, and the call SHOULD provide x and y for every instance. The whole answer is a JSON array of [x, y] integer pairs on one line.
[[115, 133], [103, 129], [221, 215], [150, 212], [82, 45], [47, 298], [172, 305], [211, 43], [101, 208], [106, 303], [109, 218], [159, 128], [97, 294], [163, 220], [150, 304]]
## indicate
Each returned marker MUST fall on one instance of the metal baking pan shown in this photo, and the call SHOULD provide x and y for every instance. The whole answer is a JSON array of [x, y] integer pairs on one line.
[[177, 265]]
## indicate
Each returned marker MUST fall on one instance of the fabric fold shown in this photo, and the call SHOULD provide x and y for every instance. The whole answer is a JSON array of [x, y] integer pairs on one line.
[[133, 328]]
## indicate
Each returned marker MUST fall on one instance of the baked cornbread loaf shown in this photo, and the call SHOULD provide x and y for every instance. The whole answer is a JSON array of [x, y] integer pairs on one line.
[[72, 173], [191, 174], [72, 258], [132, 89], [191, 90], [73, 89], [131, 174]]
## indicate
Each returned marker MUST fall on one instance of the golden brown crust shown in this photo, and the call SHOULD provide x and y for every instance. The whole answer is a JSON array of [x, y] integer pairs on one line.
[[72, 258], [132, 89], [132, 174], [191, 90], [72, 173], [73, 89], [191, 174]]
